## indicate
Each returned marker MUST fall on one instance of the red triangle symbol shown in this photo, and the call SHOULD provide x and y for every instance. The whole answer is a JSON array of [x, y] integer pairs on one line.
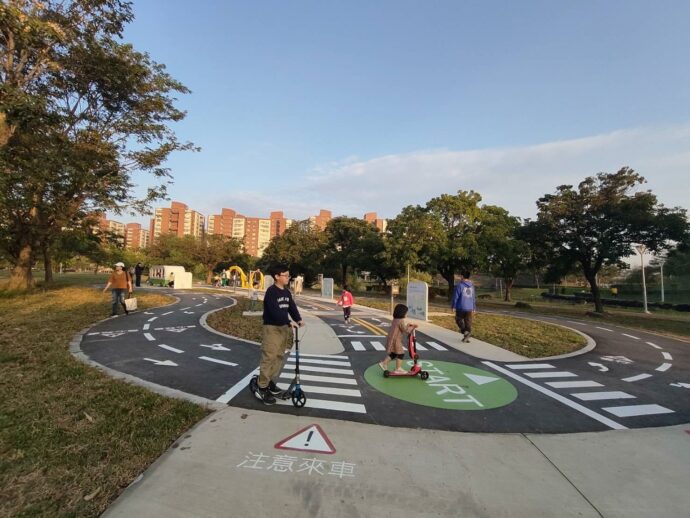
[[311, 439]]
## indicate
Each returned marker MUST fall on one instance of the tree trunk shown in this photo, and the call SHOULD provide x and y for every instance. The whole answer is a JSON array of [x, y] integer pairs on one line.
[[47, 263], [450, 279], [596, 294], [21, 278], [344, 281], [509, 286], [209, 274]]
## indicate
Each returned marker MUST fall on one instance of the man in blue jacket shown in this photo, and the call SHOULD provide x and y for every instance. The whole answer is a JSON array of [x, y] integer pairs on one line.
[[279, 306], [465, 305]]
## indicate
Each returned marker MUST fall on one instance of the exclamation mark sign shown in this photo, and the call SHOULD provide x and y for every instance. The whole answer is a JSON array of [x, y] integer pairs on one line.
[[309, 438]]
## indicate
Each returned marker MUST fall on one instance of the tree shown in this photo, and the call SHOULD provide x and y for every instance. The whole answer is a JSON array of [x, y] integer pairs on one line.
[[599, 222], [302, 247], [208, 251], [80, 112], [413, 236], [348, 240]]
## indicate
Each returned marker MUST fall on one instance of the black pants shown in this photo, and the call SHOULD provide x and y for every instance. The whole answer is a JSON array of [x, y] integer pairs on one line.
[[138, 280], [346, 313], [464, 320]]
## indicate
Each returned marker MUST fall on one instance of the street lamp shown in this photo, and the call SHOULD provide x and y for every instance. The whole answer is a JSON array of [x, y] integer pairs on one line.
[[662, 260], [641, 249]]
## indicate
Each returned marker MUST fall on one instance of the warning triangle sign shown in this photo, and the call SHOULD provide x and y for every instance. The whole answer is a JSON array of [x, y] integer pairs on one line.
[[311, 439], [481, 380]]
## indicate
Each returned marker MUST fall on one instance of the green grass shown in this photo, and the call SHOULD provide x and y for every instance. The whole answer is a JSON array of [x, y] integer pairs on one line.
[[71, 438], [230, 321]]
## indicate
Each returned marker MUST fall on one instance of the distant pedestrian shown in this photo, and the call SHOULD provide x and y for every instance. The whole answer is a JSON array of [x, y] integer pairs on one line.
[[346, 300], [279, 307], [394, 340], [171, 280], [121, 284], [465, 305], [138, 270], [299, 284]]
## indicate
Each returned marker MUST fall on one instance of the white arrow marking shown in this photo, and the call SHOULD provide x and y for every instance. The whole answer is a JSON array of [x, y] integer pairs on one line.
[[680, 385], [178, 351], [189, 312], [166, 363], [481, 380], [208, 359], [216, 347], [602, 368]]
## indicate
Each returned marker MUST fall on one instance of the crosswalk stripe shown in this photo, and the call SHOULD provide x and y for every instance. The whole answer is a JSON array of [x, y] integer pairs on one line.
[[330, 405], [321, 362], [573, 384], [327, 370], [436, 346], [663, 367], [335, 391], [321, 379], [420, 347], [597, 396], [637, 410], [638, 377], [378, 346], [357, 346], [559, 374], [329, 356], [530, 366]]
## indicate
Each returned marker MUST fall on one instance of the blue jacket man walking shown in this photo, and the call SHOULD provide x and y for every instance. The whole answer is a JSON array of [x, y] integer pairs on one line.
[[465, 305]]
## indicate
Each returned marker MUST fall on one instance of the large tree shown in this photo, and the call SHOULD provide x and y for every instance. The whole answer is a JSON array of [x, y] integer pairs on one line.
[[349, 242], [302, 247], [598, 223], [80, 113]]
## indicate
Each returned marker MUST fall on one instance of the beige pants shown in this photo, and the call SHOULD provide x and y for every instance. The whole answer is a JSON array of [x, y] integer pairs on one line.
[[275, 340]]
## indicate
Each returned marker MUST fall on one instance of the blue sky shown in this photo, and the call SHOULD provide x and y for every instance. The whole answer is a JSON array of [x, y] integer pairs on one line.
[[364, 106]]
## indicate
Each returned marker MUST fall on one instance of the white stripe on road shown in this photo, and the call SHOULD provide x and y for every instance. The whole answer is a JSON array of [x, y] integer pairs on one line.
[[329, 405], [149, 337], [237, 387], [436, 346], [357, 336], [559, 374], [185, 309], [573, 384], [631, 336], [199, 305], [214, 360], [170, 348], [638, 377], [321, 362], [167, 313], [334, 391], [663, 367], [420, 347], [152, 319], [321, 379], [302, 355], [604, 329], [635, 410], [597, 396], [576, 406], [326, 370], [146, 327], [653, 345], [530, 366], [378, 346], [666, 356], [357, 346]]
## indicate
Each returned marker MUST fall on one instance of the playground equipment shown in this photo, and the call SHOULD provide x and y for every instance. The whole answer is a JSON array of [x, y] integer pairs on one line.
[[243, 278], [254, 276], [163, 275]]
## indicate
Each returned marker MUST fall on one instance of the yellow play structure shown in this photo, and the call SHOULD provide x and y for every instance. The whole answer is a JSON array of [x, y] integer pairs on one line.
[[254, 276]]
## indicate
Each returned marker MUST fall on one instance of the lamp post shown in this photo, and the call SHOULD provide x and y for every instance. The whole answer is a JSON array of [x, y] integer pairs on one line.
[[641, 249], [661, 264]]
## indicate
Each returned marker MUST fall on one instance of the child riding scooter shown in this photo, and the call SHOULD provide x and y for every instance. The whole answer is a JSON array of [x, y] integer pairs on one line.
[[394, 347]]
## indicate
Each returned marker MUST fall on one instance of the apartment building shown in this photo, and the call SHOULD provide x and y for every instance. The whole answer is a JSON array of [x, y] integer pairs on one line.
[[381, 224], [222, 224], [113, 227], [257, 235], [136, 237], [178, 220], [321, 219]]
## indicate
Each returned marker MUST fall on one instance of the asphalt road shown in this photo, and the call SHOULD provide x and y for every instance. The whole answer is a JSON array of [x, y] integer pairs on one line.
[[630, 380]]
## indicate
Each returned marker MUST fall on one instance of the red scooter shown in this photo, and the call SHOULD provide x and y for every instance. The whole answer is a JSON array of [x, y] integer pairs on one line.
[[416, 369]]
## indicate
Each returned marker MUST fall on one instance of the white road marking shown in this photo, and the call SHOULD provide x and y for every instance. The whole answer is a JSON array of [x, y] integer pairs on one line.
[[185, 309], [321, 362], [152, 319], [604, 329], [334, 391], [631, 336], [601, 367], [215, 347], [666, 356], [378, 346], [597, 396], [325, 370], [149, 337], [573, 322], [653, 345], [357, 336], [167, 313], [558, 374], [166, 363], [420, 347], [329, 405], [636, 410], [321, 379], [302, 355], [237, 387], [178, 351], [637, 378], [573, 384], [663, 367], [530, 366], [214, 360], [146, 327], [436, 346], [576, 406], [357, 346], [199, 305]]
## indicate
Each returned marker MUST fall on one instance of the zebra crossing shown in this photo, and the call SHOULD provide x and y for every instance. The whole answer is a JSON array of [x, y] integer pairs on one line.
[[608, 398], [376, 345], [328, 381]]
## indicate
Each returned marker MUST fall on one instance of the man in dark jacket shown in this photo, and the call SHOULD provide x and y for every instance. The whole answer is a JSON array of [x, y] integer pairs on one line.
[[279, 307], [465, 305], [138, 270]]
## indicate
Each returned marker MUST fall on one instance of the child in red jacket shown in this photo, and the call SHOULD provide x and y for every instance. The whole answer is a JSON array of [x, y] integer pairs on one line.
[[346, 300]]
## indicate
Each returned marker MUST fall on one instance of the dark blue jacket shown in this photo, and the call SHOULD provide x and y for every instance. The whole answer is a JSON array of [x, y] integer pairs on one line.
[[279, 306], [464, 296]]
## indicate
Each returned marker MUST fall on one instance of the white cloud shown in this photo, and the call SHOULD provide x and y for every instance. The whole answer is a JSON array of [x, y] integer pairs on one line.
[[513, 178]]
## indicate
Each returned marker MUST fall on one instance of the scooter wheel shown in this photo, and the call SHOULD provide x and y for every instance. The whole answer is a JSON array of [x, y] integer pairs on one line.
[[386, 374], [299, 399], [424, 375]]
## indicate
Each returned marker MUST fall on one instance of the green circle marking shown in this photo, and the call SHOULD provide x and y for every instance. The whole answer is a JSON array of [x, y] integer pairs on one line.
[[450, 385]]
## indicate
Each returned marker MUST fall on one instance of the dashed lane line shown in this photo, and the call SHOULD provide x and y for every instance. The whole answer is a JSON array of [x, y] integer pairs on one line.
[[149, 337], [169, 348], [631, 336], [639, 377], [216, 360], [663, 367]]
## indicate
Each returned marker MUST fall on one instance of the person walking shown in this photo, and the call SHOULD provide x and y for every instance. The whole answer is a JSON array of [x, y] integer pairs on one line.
[[279, 308], [346, 300], [465, 305], [138, 270], [121, 283]]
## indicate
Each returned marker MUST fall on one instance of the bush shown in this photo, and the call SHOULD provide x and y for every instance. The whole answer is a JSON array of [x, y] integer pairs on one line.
[[485, 296], [682, 307], [523, 305]]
